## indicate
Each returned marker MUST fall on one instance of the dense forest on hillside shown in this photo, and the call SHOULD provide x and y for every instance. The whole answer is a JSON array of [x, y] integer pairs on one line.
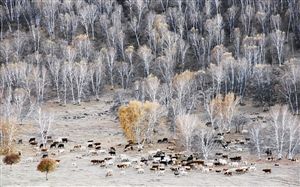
[[189, 63]]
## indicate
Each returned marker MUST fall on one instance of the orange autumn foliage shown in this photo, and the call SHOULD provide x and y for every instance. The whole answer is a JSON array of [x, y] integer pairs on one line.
[[134, 118], [129, 117]]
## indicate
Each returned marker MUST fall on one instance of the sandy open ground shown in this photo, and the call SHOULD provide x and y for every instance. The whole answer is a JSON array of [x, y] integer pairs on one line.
[[99, 124]]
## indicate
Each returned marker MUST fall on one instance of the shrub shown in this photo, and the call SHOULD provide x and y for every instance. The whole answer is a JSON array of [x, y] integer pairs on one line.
[[11, 159]]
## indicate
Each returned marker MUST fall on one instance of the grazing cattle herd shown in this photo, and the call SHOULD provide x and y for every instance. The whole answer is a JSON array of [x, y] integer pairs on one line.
[[132, 155]]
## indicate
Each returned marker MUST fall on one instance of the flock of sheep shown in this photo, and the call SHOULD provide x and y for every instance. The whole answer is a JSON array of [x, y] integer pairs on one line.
[[115, 159]]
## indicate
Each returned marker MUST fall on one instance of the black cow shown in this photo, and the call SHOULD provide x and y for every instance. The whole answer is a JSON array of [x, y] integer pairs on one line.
[[268, 152], [31, 140], [64, 140]]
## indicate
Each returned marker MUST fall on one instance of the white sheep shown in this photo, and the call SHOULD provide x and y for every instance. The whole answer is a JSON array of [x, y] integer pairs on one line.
[[231, 170], [28, 160], [74, 164], [234, 164], [72, 150], [82, 148], [209, 164], [200, 167], [127, 164], [92, 152], [134, 160], [109, 173], [102, 151], [239, 149], [123, 158], [245, 163], [252, 168], [167, 159], [142, 164], [183, 173], [58, 140], [141, 171], [245, 168], [140, 147], [205, 170], [156, 159], [31, 159], [152, 152], [161, 173], [223, 161], [245, 131], [110, 162], [137, 167], [38, 153], [60, 151], [122, 172]]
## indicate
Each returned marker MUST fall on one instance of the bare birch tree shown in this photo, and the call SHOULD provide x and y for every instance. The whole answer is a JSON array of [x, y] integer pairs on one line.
[[293, 130], [145, 54], [129, 51], [247, 18], [96, 73], [290, 83], [153, 112], [152, 87], [279, 125], [183, 84], [278, 39], [134, 25], [256, 138], [110, 57], [40, 79], [207, 143], [44, 121], [50, 9], [80, 78], [54, 69], [262, 19], [123, 69], [186, 126], [88, 15], [211, 108], [182, 48]]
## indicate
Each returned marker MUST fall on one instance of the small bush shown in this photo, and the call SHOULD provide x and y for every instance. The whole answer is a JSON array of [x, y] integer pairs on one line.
[[11, 159]]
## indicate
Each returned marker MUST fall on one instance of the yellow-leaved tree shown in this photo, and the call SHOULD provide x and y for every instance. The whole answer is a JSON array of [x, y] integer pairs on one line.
[[8, 132], [138, 120], [225, 107], [47, 165], [130, 117]]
